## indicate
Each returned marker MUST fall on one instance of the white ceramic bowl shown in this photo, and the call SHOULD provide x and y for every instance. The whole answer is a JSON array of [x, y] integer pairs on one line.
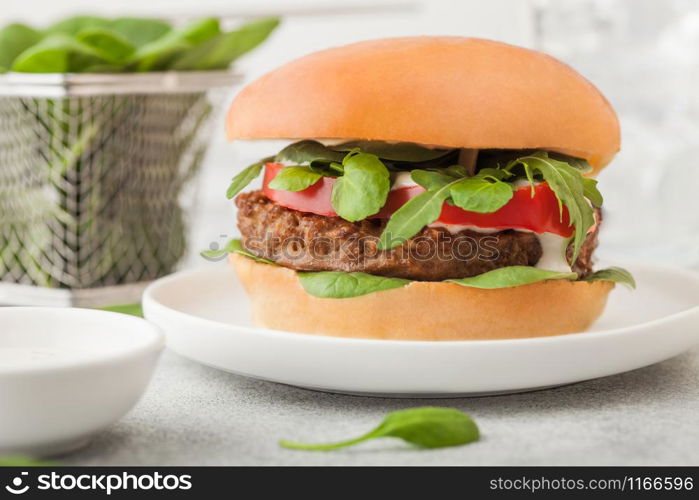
[[67, 373]]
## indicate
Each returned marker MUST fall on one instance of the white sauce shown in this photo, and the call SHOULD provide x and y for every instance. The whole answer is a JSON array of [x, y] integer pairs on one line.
[[553, 256], [456, 228], [401, 180]]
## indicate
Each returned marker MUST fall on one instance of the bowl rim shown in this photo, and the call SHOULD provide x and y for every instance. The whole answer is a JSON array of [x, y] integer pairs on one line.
[[150, 341]]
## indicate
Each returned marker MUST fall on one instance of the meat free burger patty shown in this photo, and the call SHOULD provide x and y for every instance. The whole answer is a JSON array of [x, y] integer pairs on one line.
[[309, 242]]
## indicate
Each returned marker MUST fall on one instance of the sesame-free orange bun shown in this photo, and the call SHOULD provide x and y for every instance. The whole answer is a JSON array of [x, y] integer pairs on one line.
[[442, 91], [422, 310]]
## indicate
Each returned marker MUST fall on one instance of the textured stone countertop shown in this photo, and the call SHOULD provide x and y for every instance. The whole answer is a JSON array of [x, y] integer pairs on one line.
[[195, 415]]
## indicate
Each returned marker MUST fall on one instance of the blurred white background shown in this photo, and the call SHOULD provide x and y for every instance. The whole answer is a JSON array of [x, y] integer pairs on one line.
[[643, 54]]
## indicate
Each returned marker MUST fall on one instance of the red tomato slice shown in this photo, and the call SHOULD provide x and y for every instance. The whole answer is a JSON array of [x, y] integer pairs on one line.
[[538, 213]]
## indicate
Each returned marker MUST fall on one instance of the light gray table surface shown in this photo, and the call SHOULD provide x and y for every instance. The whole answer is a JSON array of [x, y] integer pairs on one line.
[[195, 415]]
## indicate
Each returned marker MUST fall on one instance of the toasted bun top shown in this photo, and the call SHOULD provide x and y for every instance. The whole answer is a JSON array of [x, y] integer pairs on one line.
[[443, 91]]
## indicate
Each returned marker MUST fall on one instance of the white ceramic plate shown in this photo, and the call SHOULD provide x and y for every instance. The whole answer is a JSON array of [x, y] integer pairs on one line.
[[204, 314]]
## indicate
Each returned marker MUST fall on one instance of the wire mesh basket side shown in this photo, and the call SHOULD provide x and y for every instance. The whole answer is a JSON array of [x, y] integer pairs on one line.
[[91, 186]]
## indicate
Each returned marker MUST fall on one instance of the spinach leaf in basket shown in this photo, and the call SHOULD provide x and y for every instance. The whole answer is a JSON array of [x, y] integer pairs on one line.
[[59, 54], [219, 51], [15, 39]]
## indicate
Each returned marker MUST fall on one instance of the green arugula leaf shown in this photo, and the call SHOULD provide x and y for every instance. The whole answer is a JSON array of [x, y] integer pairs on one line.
[[482, 193], [363, 188], [613, 274], [220, 51], [295, 178], [431, 179], [59, 54], [400, 151], [591, 193], [512, 276], [108, 42], [139, 31], [15, 39], [409, 219], [426, 427], [245, 177], [306, 152], [341, 285], [233, 246], [568, 185], [132, 309]]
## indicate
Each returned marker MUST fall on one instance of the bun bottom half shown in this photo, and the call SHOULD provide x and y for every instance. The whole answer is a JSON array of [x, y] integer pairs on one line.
[[422, 310]]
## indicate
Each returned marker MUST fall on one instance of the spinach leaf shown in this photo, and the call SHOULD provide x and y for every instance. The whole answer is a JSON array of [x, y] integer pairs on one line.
[[233, 246], [512, 276], [363, 188], [341, 285], [482, 193], [400, 151], [218, 52], [59, 54], [568, 185], [245, 177], [139, 31], [15, 39], [160, 53], [306, 152], [110, 43], [409, 219], [295, 178], [614, 274], [426, 427], [74, 25]]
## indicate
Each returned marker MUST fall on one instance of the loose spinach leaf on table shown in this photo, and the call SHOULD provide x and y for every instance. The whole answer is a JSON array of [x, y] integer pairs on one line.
[[426, 427], [342, 285]]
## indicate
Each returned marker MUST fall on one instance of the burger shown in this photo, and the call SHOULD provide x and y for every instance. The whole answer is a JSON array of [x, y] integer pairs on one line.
[[431, 188]]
